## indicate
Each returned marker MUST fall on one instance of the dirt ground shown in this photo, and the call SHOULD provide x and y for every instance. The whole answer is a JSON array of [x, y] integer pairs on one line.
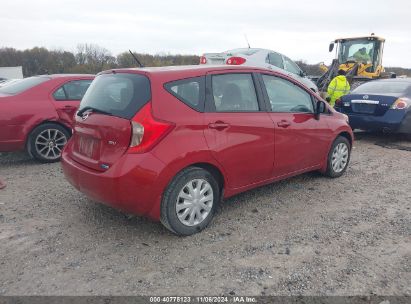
[[308, 235]]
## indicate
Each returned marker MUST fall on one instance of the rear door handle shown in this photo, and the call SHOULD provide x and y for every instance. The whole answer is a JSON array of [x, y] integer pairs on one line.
[[218, 125], [283, 123]]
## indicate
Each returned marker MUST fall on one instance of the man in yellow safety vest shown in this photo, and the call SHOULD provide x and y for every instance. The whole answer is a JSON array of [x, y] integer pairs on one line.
[[338, 87]]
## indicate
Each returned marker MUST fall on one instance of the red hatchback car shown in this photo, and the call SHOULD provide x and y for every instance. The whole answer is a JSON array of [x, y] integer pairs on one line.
[[169, 143], [36, 114]]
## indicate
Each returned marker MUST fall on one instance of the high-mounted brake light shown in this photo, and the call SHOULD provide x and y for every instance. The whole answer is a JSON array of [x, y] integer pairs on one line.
[[235, 60], [203, 60], [147, 131], [401, 104]]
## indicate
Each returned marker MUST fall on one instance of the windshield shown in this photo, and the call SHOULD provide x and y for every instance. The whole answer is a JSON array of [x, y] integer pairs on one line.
[[20, 86], [362, 51], [383, 87], [121, 94]]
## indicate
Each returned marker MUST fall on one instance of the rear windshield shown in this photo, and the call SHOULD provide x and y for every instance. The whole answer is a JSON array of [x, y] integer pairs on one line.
[[22, 85], [247, 52], [382, 87], [119, 94]]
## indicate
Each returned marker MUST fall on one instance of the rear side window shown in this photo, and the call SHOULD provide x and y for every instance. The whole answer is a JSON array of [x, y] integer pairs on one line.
[[190, 91], [276, 60], [287, 97], [234, 93], [118, 94], [23, 85], [73, 90]]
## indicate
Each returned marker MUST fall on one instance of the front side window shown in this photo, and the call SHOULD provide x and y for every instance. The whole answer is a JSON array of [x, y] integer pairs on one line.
[[276, 60], [291, 66], [73, 90], [287, 97], [190, 91], [234, 93], [23, 85]]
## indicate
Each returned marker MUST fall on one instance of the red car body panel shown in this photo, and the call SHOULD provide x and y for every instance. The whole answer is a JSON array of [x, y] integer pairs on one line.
[[21, 113], [252, 151]]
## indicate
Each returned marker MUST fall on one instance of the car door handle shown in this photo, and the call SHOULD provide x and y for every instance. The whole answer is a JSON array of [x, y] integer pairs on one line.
[[218, 125], [283, 123]]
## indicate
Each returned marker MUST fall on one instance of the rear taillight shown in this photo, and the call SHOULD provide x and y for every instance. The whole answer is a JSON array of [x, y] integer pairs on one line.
[[147, 131], [338, 102], [401, 104], [235, 60], [203, 60]]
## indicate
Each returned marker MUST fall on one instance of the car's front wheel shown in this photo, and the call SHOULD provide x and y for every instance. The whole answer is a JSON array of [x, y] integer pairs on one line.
[[338, 157], [46, 142], [189, 202]]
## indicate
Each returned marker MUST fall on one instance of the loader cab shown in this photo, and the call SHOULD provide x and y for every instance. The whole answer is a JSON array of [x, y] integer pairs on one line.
[[362, 50]]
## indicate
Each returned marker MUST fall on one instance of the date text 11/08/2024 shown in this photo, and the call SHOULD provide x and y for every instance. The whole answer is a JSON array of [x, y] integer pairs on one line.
[[203, 299]]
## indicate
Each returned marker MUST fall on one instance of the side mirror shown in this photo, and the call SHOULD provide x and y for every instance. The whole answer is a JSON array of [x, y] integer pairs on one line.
[[320, 108], [331, 47]]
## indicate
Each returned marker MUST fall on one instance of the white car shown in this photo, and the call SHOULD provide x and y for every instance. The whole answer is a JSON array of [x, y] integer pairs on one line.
[[260, 58], [6, 82]]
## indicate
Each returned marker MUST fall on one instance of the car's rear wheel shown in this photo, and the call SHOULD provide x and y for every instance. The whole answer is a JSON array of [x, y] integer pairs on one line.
[[338, 157], [47, 141], [189, 202]]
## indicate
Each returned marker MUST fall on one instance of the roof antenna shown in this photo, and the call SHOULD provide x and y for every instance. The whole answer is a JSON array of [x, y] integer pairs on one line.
[[246, 39], [135, 58]]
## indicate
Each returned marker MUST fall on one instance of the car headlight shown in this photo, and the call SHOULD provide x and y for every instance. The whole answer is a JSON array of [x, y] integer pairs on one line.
[[401, 104]]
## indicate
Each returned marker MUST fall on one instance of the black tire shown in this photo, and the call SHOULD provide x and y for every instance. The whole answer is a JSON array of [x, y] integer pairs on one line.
[[38, 139], [169, 217], [331, 171]]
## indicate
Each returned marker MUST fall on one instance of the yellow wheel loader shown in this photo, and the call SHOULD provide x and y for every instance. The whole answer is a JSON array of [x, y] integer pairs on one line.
[[360, 57]]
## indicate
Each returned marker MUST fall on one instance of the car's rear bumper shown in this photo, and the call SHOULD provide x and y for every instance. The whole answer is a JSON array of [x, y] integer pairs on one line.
[[134, 184], [391, 121]]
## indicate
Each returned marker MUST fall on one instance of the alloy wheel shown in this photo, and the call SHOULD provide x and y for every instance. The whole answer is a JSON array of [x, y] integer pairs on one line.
[[50, 143]]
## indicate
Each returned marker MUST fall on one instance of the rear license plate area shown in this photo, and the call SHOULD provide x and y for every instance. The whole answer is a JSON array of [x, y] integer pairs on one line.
[[87, 146], [364, 106]]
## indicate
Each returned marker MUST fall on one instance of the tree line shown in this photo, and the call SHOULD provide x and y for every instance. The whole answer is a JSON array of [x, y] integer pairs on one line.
[[91, 59], [87, 59]]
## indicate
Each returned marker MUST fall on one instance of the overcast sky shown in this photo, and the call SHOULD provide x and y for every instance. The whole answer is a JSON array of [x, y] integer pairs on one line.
[[299, 29]]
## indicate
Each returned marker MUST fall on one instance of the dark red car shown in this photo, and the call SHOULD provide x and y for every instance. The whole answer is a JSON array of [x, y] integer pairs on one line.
[[36, 114], [169, 143]]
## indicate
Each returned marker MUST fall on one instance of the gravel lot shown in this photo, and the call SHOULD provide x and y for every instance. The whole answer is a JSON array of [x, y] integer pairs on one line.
[[307, 235]]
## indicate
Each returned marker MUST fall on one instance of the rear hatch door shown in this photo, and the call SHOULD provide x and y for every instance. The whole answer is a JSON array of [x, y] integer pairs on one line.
[[102, 130]]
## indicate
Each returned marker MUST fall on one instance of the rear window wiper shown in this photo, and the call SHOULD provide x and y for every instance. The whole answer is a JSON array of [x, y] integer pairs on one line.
[[92, 109]]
